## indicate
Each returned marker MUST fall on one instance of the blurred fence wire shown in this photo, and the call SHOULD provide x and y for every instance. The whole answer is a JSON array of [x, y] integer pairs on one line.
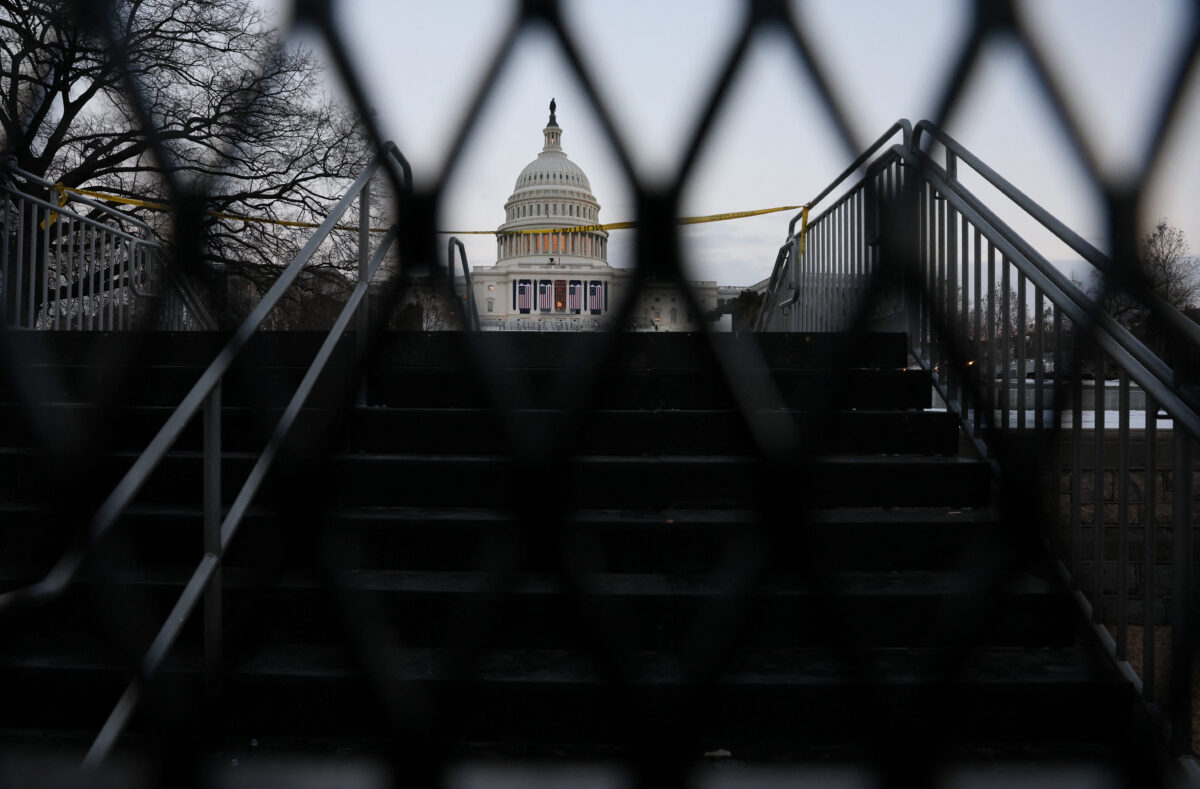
[[132, 277]]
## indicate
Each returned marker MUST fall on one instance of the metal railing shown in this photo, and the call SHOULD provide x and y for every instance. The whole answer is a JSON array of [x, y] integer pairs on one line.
[[830, 295], [100, 269], [1035, 370], [471, 309], [219, 530]]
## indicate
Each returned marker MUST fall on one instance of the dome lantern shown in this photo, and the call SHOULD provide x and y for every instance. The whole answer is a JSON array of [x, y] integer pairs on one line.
[[553, 132]]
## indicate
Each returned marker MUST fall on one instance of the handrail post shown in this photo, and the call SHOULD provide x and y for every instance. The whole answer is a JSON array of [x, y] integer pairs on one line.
[[212, 542], [1181, 610], [364, 263]]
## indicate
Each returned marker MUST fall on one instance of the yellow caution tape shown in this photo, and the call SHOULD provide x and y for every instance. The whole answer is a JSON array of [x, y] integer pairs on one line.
[[683, 220], [696, 220], [803, 229], [111, 198]]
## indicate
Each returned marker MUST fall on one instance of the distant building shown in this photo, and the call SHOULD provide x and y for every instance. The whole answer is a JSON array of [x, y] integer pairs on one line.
[[552, 271]]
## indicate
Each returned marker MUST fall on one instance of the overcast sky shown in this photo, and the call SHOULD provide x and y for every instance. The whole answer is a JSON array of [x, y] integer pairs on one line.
[[773, 144]]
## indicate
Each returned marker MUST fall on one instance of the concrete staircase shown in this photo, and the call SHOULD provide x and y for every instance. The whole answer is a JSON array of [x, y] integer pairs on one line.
[[663, 585]]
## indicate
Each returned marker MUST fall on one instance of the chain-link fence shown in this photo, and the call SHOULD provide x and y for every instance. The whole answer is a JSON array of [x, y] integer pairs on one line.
[[659, 747]]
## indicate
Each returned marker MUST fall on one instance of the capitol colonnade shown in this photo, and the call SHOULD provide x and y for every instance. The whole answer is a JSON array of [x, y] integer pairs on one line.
[[587, 244]]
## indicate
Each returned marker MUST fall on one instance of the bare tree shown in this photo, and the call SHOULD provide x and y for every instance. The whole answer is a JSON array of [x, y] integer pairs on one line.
[[1169, 271], [1000, 326], [242, 119]]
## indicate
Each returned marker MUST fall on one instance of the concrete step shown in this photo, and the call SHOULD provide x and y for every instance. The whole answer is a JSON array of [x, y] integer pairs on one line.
[[592, 481], [660, 482], [782, 701], [462, 538], [483, 431], [454, 387], [635, 610], [297, 349]]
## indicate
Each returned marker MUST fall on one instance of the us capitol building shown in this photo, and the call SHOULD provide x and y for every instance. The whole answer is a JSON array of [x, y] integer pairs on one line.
[[552, 271]]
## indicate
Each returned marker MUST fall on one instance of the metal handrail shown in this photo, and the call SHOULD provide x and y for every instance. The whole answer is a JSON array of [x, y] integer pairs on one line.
[[205, 579], [1135, 363], [87, 220], [65, 570], [779, 270], [791, 255], [469, 296], [9, 164], [206, 571], [951, 230], [902, 125], [1154, 374], [156, 259], [1160, 306], [1146, 369], [782, 259]]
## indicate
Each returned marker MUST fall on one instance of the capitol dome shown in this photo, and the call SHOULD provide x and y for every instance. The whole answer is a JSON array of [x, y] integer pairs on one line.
[[552, 271], [552, 213], [552, 168]]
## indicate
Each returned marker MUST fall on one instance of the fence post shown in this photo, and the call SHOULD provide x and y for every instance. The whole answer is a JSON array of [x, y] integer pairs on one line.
[[212, 542]]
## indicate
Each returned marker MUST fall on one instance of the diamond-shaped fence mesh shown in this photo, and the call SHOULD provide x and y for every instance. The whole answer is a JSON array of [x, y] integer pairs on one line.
[[902, 246]]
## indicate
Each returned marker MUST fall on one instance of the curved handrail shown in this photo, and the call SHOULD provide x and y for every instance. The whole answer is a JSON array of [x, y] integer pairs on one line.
[[905, 128], [473, 314], [783, 260], [777, 271], [1178, 321], [895, 151], [902, 125]]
